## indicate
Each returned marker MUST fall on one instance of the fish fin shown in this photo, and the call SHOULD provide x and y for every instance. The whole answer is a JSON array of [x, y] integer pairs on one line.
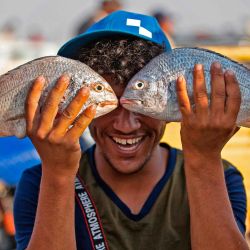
[[4, 131], [245, 124], [28, 63], [13, 127], [15, 118], [4, 134], [216, 53]]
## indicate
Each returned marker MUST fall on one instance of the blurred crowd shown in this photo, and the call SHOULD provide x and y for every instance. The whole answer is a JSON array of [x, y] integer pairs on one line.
[[106, 7], [7, 228]]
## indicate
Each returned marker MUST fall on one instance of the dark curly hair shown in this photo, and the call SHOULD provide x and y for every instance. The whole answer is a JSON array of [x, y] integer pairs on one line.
[[120, 57]]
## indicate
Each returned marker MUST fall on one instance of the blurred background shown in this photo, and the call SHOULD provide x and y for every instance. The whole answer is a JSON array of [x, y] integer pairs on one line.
[[31, 29]]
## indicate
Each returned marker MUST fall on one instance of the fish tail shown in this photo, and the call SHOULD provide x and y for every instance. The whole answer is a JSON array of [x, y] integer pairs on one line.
[[245, 124]]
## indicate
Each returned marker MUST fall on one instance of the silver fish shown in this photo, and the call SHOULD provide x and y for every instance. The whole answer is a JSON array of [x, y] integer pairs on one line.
[[15, 84], [152, 90]]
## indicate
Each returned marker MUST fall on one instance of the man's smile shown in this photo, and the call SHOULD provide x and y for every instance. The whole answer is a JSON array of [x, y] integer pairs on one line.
[[127, 145], [124, 141]]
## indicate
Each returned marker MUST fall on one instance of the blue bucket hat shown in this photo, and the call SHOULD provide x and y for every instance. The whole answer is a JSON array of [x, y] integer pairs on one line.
[[118, 23]]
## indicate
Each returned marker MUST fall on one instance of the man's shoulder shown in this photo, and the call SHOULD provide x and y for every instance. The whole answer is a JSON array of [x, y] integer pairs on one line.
[[32, 173], [178, 157], [87, 164], [231, 171], [175, 156], [30, 180]]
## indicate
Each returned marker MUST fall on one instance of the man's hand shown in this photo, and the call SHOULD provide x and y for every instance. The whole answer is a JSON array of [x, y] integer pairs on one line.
[[207, 128], [55, 140]]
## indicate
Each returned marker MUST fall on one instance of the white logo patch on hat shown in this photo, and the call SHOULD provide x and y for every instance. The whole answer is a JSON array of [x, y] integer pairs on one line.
[[137, 23]]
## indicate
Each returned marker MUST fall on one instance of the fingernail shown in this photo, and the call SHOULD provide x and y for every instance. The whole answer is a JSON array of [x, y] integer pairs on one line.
[[180, 79], [84, 90], [92, 108], [65, 78], [217, 65], [230, 72], [40, 82], [40, 79], [198, 66]]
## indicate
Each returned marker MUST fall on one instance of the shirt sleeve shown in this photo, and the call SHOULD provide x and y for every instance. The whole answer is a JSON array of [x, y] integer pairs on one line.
[[25, 204], [237, 196]]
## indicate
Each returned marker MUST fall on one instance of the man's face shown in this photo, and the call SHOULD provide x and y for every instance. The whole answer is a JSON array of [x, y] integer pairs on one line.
[[125, 140]]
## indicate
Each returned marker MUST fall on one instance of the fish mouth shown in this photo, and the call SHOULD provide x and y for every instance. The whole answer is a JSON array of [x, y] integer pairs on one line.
[[124, 101], [107, 103], [104, 107]]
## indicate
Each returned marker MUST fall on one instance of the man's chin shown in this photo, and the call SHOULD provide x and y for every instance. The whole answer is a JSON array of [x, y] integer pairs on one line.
[[126, 167]]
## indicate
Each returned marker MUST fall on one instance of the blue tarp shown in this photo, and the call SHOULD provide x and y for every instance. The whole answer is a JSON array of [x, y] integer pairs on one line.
[[15, 156], [18, 154]]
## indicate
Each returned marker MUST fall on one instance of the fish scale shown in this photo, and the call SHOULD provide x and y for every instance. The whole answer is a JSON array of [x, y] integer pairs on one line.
[[15, 84], [162, 72]]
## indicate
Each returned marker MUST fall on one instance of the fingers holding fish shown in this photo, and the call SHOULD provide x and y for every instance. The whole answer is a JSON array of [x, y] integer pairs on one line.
[[15, 86], [233, 93], [218, 90], [56, 138], [210, 130], [69, 115], [160, 75], [200, 92], [81, 123], [195, 118], [32, 104], [225, 96], [182, 96], [45, 125], [50, 108]]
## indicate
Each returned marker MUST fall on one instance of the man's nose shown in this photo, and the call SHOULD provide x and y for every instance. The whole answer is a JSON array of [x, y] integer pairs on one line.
[[126, 121]]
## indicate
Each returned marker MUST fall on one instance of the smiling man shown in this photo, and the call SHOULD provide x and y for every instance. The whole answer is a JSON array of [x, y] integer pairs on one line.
[[129, 191]]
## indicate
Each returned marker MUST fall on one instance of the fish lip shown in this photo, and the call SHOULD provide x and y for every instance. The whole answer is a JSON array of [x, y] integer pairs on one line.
[[107, 103], [124, 101]]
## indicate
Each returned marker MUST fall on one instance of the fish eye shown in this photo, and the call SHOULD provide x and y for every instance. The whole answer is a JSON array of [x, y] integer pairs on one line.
[[99, 87], [139, 85]]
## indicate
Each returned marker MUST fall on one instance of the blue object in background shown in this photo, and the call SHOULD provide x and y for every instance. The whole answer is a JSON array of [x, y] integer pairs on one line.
[[18, 154], [15, 156]]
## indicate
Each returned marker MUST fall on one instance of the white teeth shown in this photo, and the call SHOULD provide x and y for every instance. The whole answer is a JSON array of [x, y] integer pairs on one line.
[[123, 142], [130, 141], [127, 141]]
